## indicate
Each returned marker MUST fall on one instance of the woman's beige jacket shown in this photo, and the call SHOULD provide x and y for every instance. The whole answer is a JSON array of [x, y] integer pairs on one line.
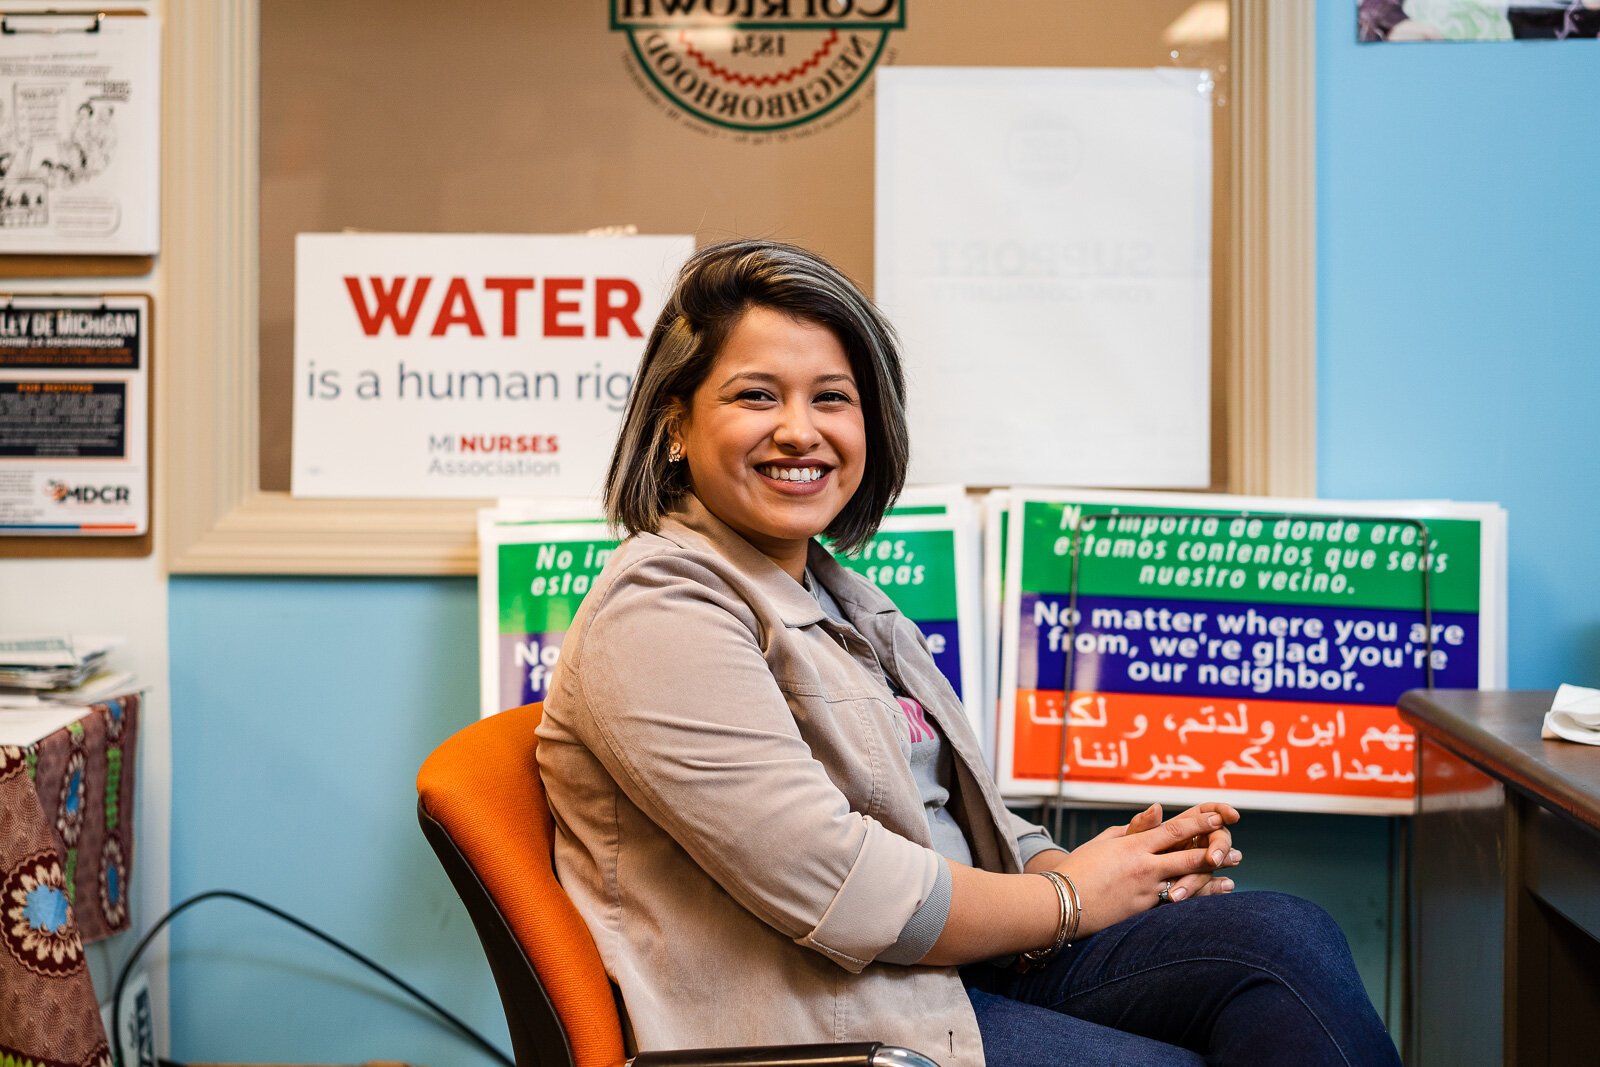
[[735, 818]]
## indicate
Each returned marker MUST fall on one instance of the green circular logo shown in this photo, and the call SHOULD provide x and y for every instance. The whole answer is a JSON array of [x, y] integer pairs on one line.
[[757, 65]]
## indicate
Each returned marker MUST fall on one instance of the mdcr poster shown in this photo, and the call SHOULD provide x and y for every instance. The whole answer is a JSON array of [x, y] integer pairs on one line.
[[74, 416], [467, 365], [1251, 650]]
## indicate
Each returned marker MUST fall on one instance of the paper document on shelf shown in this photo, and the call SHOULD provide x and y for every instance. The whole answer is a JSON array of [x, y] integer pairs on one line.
[[1044, 248], [24, 726], [94, 689], [51, 650], [51, 661], [1574, 715]]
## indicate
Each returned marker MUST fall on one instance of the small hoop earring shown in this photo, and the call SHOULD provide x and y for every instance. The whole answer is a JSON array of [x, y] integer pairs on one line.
[[674, 453]]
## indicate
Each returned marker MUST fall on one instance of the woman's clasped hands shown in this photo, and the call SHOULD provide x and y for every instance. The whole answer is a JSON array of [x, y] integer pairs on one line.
[[1122, 871]]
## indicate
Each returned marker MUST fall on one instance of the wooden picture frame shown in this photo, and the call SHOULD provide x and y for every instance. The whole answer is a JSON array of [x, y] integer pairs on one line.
[[219, 519]]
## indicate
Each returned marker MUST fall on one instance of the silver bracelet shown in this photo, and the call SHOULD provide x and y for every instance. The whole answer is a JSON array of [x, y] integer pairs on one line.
[[1065, 926], [1077, 906]]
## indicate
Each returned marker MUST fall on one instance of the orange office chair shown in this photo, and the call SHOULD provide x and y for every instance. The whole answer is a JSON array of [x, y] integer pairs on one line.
[[482, 808]]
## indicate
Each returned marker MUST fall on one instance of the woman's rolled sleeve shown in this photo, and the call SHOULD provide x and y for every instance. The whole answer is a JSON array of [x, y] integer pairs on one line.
[[922, 930], [851, 932]]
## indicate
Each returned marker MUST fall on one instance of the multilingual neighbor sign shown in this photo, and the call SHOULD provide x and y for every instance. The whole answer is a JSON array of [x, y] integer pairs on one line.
[[536, 564], [467, 365], [532, 576], [1251, 650]]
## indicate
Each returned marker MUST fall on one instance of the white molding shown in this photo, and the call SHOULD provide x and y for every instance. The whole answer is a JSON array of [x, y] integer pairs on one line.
[[219, 520], [273, 533], [1272, 374]]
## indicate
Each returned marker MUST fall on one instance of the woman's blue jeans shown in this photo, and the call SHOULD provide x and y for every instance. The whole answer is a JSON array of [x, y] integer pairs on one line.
[[1244, 978]]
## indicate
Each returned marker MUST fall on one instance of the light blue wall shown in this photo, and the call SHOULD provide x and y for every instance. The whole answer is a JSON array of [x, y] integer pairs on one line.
[[301, 711], [1459, 258]]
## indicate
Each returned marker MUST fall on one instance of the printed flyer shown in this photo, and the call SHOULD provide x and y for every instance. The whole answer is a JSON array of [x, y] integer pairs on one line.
[[537, 561], [468, 365], [74, 416], [80, 145], [1251, 650]]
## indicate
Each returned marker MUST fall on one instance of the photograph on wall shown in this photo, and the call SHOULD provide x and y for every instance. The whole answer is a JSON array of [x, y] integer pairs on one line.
[[1477, 20], [80, 148], [468, 365], [74, 416], [1252, 650]]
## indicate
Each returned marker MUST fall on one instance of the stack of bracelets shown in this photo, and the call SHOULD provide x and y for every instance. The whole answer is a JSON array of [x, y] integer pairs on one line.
[[1066, 928]]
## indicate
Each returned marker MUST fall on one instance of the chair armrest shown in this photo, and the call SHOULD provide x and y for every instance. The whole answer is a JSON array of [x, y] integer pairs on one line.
[[860, 1054]]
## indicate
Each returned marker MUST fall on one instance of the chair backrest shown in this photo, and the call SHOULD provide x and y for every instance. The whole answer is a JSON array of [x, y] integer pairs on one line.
[[483, 809]]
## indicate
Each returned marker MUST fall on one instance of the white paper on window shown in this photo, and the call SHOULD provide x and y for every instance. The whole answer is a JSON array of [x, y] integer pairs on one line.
[[1044, 248]]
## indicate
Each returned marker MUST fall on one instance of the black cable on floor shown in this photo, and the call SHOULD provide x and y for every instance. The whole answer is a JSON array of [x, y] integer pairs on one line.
[[227, 894]]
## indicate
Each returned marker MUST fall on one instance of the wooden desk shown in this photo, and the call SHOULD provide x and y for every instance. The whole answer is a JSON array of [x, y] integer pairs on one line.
[[1504, 915]]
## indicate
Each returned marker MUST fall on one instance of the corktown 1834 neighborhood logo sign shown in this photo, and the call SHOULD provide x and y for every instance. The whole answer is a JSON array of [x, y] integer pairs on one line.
[[758, 65]]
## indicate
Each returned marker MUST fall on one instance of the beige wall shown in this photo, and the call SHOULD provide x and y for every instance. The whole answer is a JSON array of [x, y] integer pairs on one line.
[[126, 597]]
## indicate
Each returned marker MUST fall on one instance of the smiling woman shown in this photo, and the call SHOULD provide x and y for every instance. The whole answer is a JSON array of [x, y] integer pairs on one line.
[[770, 806], [774, 347], [773, 438]]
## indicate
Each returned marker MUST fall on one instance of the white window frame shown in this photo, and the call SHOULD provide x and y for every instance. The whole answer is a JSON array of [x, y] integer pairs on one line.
[[218, 519]]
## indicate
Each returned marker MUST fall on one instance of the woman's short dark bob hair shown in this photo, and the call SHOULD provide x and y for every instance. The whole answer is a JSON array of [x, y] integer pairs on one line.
[[716, 287]]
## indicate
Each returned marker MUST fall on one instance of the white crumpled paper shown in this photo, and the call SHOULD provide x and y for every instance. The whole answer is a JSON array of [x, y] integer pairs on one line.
[[1574, 715]]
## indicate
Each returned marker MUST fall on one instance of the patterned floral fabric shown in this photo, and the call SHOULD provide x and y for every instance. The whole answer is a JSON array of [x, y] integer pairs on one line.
[[84, 778], [66, 847]]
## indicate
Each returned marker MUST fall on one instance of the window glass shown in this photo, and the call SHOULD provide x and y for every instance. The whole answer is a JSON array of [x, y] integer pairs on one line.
[[566, 115]]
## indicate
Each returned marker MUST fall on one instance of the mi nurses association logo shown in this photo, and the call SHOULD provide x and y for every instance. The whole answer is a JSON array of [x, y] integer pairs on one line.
[[757, 65]]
